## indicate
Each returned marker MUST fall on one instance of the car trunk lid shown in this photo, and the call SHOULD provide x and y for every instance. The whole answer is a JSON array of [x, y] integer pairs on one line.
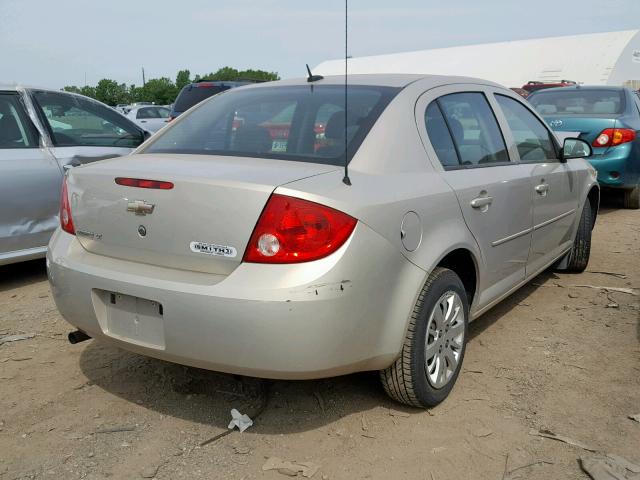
[[586, 128], [202, 224]]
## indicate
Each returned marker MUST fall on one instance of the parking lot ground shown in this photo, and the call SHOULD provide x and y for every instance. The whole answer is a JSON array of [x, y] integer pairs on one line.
[[553, 356]]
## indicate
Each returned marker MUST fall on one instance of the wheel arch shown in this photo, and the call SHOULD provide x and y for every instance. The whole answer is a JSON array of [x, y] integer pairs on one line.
[[593, 197], [463, 263]]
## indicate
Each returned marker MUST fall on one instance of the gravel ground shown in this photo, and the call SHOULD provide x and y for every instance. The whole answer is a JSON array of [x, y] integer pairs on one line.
[[551, 357]]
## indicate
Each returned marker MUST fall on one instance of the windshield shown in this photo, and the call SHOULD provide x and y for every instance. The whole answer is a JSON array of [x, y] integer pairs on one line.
[[578, 102], [302, 123]]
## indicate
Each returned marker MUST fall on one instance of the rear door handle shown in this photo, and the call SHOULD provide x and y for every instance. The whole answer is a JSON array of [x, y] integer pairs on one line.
[[542, 189], [481, 202]]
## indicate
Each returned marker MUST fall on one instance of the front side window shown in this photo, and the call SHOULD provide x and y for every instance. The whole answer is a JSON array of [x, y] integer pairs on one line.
[[531, 136], [77, 121], [16, 129], [301, 123], [474, 129]]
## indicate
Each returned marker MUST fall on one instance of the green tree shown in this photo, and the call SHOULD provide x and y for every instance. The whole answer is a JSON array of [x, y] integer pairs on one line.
[[88, 91], [182, 79], [258, 75], [135, 94], [110, 92], [162, 91], [223, 74], [230, 74]]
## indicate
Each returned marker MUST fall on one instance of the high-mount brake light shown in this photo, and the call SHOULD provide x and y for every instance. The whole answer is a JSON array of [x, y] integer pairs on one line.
[[66, 221], [610, 137], [144, 183], [292, 230]]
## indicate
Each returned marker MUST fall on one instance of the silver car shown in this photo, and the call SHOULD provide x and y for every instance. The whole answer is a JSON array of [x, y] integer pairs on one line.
[[234, 241], [42, 132]]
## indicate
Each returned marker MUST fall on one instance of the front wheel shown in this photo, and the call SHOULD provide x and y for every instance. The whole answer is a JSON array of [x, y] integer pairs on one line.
[[434, 345], [578, 256], [632, 198]]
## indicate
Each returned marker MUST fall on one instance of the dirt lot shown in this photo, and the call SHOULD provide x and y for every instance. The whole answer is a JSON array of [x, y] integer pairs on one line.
[[553, 356]]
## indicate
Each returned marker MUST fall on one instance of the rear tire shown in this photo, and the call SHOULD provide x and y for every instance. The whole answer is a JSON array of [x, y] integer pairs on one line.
[[434, 345], [579, 254], [632, 198]]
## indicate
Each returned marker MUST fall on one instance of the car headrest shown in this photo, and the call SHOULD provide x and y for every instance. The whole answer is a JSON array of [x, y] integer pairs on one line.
[[335, 126], [253, 138], [604, 107], [546, 109]]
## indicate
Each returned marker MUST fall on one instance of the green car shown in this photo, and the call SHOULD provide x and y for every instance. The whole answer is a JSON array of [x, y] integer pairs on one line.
[[609, 119]]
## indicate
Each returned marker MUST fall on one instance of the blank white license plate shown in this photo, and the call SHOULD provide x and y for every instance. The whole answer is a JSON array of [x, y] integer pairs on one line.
[[135, 320]]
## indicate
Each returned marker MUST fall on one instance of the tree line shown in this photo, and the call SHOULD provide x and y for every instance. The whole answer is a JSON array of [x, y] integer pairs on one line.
[[162, 91]]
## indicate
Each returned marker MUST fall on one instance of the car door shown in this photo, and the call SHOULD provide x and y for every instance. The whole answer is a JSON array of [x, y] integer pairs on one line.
[[494, 192], [30, 182], [83, 130], [554, 185]]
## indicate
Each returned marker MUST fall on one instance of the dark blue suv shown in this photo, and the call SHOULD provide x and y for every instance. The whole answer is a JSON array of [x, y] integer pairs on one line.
[[199, 91]]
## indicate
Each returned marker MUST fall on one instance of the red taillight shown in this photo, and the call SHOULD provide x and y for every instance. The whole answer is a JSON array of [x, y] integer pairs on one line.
[[292, 230], [611, 137], [143, 183], [66, 221]]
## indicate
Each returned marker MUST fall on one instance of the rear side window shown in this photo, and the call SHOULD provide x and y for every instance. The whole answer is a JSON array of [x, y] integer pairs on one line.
[[16, 129], [302, 123], [474, 129], [76, 121], [531, 136], [147, 113], [581, 101], [440, 137]]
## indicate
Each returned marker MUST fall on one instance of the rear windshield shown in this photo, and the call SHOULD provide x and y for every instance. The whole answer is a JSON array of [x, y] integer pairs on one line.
[[302, 123], [191, 94], [578, 102]]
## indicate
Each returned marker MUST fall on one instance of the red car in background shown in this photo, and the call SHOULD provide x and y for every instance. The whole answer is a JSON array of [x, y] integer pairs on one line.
[[534, 85], [521, 91]]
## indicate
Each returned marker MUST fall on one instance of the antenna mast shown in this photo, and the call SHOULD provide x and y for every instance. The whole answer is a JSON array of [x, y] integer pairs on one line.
[[346, 180]]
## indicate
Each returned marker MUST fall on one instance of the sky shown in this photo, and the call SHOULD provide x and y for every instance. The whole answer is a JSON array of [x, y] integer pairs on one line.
[[53, 43]]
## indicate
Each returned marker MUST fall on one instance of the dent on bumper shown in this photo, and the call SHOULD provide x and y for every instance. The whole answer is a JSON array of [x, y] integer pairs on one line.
[[347, 312]]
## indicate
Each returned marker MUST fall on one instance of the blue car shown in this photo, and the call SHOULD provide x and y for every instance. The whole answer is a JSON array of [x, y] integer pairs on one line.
[[609, 119]]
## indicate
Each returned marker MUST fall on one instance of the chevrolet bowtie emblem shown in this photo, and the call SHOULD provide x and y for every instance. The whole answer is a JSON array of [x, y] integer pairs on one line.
[[140, 207]]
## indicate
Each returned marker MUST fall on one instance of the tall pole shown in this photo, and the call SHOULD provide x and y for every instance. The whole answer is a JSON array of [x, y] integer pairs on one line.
[[144, 82]]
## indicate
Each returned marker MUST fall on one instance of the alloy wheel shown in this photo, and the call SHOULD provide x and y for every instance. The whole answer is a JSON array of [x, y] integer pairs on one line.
[[445, 339]]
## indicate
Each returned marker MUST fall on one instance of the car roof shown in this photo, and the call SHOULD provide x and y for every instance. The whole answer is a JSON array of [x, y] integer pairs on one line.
[[398, 80], [17, 87]]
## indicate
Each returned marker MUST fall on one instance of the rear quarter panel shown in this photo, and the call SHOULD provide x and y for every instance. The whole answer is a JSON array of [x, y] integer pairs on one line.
[[392, 175]]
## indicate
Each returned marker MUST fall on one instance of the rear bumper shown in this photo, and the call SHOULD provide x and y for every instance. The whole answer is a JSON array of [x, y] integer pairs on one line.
[[618, 167], [347, 312]]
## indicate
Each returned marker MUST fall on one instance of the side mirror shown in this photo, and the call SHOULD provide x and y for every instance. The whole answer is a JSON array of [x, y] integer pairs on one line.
[[575, 148]]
